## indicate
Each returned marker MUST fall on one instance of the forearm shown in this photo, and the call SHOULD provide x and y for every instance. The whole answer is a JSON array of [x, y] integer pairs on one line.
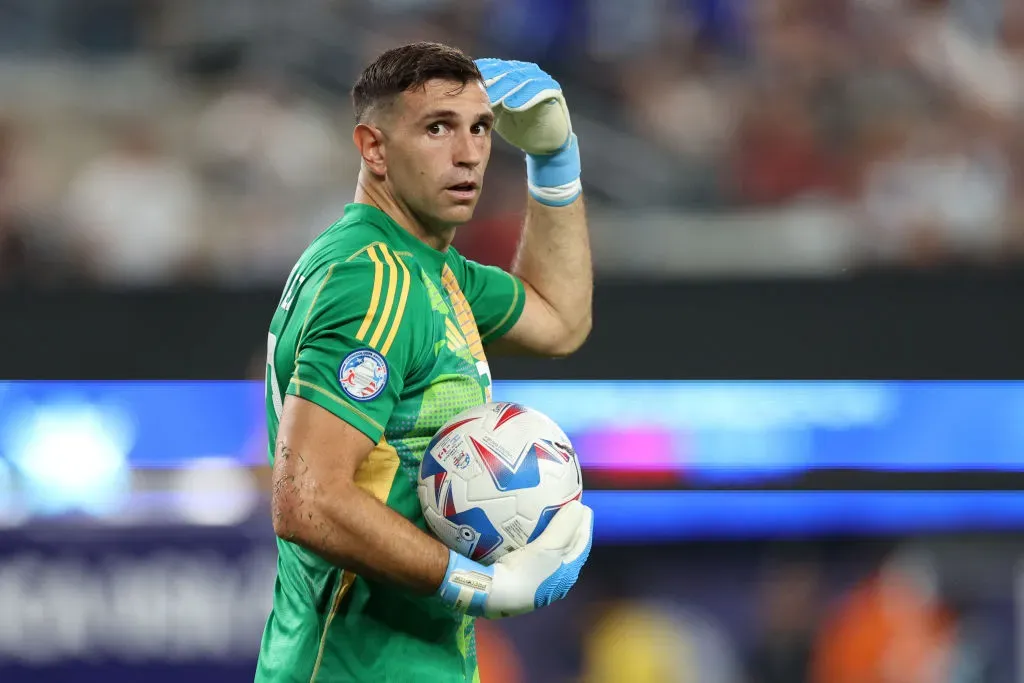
[[554, 254], [554, 260], [350, 528]]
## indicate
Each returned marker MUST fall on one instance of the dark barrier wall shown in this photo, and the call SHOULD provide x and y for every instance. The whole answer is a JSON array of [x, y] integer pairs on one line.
[[173, 604], [900, 327]]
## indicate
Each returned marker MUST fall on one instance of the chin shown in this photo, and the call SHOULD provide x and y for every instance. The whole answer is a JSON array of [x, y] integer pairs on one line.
[[457, 215]]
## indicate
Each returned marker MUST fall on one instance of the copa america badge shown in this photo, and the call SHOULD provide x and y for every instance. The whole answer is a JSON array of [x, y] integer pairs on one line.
[[363, 374]]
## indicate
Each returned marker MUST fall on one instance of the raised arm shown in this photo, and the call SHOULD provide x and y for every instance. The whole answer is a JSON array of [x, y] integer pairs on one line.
[[554, 260], [554, 264]]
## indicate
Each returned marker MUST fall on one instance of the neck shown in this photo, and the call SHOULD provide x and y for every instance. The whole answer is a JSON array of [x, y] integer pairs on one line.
[[373, 192]]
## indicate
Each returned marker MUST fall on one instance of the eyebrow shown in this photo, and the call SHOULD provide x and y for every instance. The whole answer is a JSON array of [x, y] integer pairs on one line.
[[486, 117]]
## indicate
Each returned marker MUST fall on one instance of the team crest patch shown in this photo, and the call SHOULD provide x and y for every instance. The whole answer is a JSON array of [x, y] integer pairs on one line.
[[363, 374]]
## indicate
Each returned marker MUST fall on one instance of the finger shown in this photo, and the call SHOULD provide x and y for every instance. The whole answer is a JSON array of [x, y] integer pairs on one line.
[[490, 67], [494, 69], [524, 65], [533, 91], [584, 537], [563, 528], [501, 85]]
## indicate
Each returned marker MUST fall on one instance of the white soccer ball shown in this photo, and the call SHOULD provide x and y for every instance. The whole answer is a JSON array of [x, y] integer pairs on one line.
[[494, 476]]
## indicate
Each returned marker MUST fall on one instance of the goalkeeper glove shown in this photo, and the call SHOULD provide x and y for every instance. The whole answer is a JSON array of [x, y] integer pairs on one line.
[[526, 579], [531, 114]]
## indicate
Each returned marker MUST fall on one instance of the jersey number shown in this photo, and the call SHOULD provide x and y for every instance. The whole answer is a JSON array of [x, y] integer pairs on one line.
[[275, 390], [290, 292]]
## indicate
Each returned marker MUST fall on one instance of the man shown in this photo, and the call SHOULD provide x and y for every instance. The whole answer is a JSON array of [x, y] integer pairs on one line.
[[379, 339]]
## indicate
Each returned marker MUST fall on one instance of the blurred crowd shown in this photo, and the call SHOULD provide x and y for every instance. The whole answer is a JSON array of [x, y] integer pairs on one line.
[[148, 142], [916, 613]]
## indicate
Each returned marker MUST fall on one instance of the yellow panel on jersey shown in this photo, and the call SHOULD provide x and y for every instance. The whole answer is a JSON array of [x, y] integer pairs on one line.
[[377, 473], [463, 314], [456, 340], [495, 297]]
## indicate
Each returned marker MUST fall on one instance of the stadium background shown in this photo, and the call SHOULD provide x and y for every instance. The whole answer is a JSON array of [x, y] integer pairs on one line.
[[778, 189]]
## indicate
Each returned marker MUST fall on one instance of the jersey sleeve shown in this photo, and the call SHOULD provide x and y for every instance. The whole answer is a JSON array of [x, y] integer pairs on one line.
[[354, 351], [495, 296]]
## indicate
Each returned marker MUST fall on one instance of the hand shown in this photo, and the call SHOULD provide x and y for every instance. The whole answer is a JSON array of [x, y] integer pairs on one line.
[[531, 114], [529, 108], [526, 579]]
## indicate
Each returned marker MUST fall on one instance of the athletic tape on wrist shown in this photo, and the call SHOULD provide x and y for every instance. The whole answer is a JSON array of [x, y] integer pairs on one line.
[[466, 584], [554, 179]]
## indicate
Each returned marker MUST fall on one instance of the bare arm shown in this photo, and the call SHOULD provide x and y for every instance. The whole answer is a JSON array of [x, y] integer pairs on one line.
[[555, 266], [318, 505]]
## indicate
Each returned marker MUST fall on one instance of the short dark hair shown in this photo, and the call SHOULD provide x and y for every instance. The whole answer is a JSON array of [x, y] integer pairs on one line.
[[409, 66]]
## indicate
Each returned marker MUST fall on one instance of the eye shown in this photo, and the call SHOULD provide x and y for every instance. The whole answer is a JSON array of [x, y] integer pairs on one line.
[[437, 128], [481, 129]]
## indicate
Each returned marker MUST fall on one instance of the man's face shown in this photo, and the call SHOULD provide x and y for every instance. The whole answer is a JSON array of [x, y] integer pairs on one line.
[[438, 141]]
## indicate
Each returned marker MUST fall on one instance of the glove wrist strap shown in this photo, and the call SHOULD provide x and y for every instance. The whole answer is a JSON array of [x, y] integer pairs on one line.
[[466, 584], [554, 179]]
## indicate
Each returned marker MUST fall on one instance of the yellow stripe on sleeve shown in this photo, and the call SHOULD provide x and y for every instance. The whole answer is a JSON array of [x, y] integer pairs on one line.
[[378, 283], [400, 311], [389, 300]]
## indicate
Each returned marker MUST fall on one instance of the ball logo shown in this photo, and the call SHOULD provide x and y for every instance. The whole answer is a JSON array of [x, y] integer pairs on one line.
[[565, 450], [363, 374], [461, 460]]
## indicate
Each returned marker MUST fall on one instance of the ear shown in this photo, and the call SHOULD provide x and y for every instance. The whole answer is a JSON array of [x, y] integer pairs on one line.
[[369, 140]]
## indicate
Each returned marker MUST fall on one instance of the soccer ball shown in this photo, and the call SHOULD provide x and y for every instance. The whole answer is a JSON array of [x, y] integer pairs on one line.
[[494, 476]]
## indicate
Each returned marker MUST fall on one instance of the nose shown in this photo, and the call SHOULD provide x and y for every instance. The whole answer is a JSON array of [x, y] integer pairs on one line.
[[468, 150]]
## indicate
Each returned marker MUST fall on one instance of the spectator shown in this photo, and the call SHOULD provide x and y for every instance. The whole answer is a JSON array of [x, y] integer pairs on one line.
[[778, 158], [22, 225], [133, 213], [892, 628], [258, 139], [937, 194], [788, 620], [898, 117]]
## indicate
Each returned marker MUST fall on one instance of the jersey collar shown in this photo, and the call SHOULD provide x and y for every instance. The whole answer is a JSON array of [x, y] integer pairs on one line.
[[426, 255]]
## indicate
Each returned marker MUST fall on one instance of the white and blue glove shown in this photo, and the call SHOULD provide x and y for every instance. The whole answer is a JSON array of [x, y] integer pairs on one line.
[[531, 114], [526, 579]]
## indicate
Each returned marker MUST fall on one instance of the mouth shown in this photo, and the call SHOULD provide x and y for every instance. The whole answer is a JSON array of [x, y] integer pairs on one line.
[[463, 191]]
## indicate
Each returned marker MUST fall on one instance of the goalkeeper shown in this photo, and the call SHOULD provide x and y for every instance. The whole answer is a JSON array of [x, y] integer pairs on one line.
[[379, 339]]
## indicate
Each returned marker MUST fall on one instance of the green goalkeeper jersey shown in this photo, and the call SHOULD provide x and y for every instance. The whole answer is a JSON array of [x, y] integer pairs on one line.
[[388, 334]]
